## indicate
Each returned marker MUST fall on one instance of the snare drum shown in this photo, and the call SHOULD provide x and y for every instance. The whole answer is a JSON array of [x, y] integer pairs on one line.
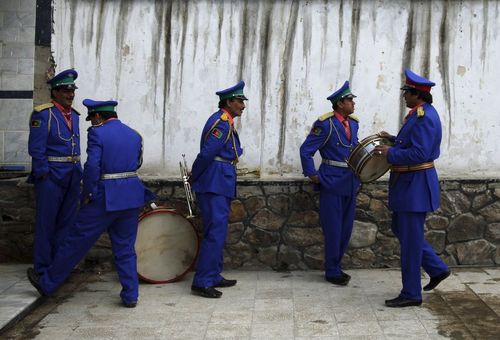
[[363, 162], [167, 246]]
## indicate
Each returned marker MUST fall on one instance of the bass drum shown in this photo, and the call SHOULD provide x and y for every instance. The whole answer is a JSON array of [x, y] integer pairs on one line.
[[364, 164], [167, 246]]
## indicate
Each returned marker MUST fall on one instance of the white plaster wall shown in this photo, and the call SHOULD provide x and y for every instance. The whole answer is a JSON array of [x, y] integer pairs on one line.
[[163, 62]]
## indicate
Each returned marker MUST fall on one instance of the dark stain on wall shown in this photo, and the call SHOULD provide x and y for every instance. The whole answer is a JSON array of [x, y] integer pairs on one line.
[[100, 30], [407, 54], [243, 40], [183, 13], [307, 32], [73, 9], [341, 22], [285, 66], [444, 63], [426, 56], [264, 56], [122, 27], [356, 14], [166, 23], [484, 40]]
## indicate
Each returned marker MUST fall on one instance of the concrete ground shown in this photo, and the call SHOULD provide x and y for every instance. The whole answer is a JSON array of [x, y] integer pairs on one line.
[[263, 305]]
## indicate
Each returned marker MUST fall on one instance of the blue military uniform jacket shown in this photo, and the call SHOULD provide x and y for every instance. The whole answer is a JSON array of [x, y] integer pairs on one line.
[[114, 148], [50, 136], [218, 139], [328, 136], [417, 142]]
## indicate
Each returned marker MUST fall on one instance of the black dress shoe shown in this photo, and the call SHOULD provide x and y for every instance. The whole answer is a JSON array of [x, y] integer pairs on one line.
[[436, 280], [208, 292], [340, 281], [34, 280], [129, 304], [347, 276], [402, 302], [225, 283]]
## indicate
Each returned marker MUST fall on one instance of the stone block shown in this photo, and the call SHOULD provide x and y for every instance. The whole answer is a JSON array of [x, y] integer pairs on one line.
[[478, 252], [491, 213], [314, 257], [261, 238], [26, 35], [302, 237], [454, 203], [235, 232], [254, 204], [19, 19], [482, 199], [364, 234], [309, 219], [289, 257], [16, 82], [28, 5], [302, 201], [8, 65], [266, 219], [437, 222], [493, 232], [246, 191], [362, 258], [26, 66], [9, 5], [238, 212], [15, 113], [16, 147], [465, 227], [9, 34], [437, 239], [268, 256]]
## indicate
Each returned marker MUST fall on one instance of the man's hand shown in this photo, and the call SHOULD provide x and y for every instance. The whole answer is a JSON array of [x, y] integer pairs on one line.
[[385, 134], [381, 150], [314, 179]]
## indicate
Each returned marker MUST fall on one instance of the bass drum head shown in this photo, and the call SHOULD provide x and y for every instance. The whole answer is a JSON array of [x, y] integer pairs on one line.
[[367, 166], [167, 246]]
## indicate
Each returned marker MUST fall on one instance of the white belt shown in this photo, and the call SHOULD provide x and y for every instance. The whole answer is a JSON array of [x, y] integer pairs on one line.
[[220, 159], [334, 163], [64, 159], [119, 175]]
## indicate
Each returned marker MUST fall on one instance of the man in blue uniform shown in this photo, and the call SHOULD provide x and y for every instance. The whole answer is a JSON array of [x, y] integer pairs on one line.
[[414, 189], [214, 181], [111, 198], [335, 135], [54, 147]]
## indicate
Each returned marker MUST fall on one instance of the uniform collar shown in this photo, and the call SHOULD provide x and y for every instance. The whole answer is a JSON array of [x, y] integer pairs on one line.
[[61, 108]]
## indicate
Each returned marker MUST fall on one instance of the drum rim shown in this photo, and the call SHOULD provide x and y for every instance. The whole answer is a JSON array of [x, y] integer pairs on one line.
[[159, 210]]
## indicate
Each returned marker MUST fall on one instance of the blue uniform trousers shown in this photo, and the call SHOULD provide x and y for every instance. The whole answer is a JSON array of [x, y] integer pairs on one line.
[[91, 222], [336, 216], [56, 207], [416, 252], [215, 211]]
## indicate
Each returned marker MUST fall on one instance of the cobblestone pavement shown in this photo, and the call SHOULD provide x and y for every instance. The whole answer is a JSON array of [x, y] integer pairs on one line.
[[263, 305]]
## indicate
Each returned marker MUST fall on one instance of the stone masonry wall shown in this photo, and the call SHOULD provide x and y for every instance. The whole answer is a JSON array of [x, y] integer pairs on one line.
[[275, 224]]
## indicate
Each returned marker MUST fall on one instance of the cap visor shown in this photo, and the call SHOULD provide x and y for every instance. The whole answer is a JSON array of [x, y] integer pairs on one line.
[[406, 87]]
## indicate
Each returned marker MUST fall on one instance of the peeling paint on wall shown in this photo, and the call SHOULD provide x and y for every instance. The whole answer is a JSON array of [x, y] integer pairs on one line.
[[164, 60]]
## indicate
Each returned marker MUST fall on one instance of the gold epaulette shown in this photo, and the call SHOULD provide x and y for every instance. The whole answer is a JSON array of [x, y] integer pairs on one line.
[[325, 116], [224, 117], [42, 107], [420, 112], [353, 116]]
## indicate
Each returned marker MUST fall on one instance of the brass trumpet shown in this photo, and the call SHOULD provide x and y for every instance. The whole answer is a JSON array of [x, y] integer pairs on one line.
[[187, 186]]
